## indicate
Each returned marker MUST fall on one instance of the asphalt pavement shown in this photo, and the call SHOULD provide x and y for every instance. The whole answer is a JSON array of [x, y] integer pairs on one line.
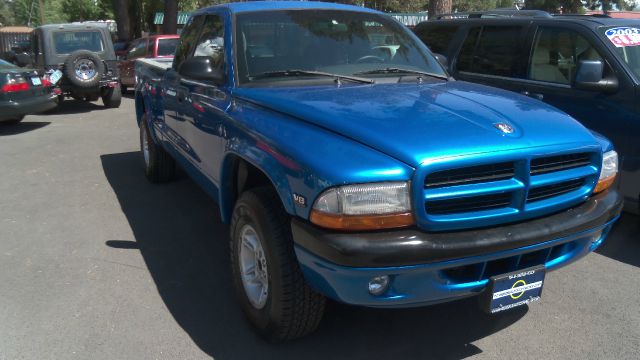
[[96, 263]]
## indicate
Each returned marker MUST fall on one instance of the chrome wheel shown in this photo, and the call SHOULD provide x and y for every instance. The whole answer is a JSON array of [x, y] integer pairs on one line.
[[145, 145], [85, 69], [253, 267]]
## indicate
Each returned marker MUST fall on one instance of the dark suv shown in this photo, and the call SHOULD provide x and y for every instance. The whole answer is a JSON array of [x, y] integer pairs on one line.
[[587, 66], [79, 60]]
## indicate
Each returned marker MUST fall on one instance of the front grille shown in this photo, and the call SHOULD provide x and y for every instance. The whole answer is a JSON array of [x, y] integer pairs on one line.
[[470, 175], [468, 204], [558, 163], [549, 191], [510, 190]]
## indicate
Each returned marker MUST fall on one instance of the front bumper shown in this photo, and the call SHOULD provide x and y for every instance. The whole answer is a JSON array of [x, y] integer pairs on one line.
[[14, 109], [427, 268]]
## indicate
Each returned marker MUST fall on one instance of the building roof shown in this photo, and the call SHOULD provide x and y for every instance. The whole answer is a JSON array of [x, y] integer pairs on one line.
[[618, 14], [182, 18], [15, 29]]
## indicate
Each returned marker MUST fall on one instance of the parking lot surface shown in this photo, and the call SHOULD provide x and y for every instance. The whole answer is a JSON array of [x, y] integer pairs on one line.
[[96, 263]]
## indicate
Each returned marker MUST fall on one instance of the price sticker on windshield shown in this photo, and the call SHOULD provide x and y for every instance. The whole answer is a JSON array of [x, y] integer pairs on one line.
[[624, 36]]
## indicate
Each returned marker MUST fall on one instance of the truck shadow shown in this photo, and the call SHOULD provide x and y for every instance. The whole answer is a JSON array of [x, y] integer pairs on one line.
[[21, 127], [71, 106], [623, 242], [184, 245]]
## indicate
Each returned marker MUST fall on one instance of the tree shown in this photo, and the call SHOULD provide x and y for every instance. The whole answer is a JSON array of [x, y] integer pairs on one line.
[[170, 22], [607, 5], [6, 14], [121, 13], [437, 7]]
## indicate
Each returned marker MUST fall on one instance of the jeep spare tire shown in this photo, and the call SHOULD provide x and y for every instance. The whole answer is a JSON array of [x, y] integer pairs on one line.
[[83, 69]]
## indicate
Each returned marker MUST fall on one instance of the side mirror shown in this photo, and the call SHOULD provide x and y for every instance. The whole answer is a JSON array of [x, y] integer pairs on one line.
[[590, 76], [202, 68], [442, 60]]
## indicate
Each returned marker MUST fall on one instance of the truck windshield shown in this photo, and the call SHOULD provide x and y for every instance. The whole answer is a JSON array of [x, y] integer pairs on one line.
[[330, 41], [626, 41], [66, 42]]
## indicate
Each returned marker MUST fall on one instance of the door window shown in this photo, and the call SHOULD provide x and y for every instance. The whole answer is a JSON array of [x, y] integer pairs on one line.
[[492, 50], [556, 53], [211, 40], [187, 40], [437, 38]]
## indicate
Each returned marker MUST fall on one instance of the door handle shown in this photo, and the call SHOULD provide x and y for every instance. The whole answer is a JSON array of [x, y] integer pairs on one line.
[[536, 96]]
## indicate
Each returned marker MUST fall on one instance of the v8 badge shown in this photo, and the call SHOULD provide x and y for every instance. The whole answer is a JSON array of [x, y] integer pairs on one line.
[[299, 200]]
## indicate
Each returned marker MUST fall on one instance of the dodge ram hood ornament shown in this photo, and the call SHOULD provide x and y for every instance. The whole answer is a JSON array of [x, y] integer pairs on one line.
[[505, 128]]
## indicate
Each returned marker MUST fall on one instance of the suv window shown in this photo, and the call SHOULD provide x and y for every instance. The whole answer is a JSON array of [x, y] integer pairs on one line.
[[66, 42], [437, 38], [492, 50], [187, 40], [556, 53], [211, 40]]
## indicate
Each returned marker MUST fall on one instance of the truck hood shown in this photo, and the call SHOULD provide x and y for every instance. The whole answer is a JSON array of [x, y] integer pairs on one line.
[[418, 122]]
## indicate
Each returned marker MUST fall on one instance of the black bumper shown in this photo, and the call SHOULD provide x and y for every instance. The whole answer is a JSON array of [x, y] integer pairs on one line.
[[412, 246], [13, 109]]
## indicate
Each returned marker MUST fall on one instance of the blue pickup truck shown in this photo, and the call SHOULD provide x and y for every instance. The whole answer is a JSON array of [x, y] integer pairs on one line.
[[351, 166]]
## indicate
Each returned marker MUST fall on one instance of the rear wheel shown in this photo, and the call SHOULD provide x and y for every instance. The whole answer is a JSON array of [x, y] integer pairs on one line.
[[159, 166], [269, 283], [112, 97]]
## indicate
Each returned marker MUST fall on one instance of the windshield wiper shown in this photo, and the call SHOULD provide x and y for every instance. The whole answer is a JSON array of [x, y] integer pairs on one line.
[[393, 70], [297, 72]]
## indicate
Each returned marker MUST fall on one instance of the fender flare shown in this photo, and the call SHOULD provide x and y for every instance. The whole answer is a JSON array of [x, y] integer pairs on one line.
[[261, 160]]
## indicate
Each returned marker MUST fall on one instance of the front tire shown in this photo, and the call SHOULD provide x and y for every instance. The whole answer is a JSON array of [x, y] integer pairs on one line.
[[273, 294], [159, 166]]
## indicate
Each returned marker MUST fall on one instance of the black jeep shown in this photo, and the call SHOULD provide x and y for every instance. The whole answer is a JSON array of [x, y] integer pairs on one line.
[[79, 61]]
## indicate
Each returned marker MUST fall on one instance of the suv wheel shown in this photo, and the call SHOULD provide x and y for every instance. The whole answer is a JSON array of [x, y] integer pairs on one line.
[[112, 97], [83, 69], [268, 281]]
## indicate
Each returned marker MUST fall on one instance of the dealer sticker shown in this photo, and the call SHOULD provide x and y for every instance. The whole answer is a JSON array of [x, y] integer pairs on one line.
[[624, 36]]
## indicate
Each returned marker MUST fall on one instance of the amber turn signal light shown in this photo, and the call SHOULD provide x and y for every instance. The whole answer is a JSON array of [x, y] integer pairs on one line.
[[604, 184], [361, 222]]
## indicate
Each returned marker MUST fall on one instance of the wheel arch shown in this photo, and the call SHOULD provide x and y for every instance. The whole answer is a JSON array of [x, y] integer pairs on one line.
[[241, 172]]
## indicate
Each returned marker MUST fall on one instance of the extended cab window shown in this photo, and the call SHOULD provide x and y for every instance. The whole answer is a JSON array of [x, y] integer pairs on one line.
[[556, 53], [437, 38], [66, 42], [187, 40], [211, 40], [491, 50]]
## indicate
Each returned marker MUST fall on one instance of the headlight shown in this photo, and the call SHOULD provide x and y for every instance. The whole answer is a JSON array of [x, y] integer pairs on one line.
[[364, 207], [608, 172]]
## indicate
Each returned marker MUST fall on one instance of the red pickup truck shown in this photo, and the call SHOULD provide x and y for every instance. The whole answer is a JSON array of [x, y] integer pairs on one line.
[[156, 46]]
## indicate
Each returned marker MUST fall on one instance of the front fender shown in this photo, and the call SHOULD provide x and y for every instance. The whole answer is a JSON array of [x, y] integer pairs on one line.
[[298, 157]]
